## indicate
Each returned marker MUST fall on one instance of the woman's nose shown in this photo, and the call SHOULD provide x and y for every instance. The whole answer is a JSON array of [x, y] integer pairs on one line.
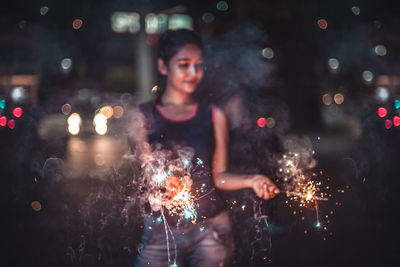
[[192, 69]]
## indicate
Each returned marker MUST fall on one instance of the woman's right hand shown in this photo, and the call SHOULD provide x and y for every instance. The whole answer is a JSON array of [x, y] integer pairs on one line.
[[264, 187]]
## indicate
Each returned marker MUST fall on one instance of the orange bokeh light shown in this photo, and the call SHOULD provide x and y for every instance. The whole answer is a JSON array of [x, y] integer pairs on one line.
[[77, 24], [118, 112], [322, 24]]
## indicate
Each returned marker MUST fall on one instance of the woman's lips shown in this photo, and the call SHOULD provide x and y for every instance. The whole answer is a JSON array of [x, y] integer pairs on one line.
[[191, 82]]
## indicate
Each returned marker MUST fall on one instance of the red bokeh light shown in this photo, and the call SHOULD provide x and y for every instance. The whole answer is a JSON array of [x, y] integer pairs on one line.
[[388, 124], [3, 121], [261, 122], [396, 121], [11, 124], [382, 112], [77, 24], [17, 112], [152, 39], [322, 23]]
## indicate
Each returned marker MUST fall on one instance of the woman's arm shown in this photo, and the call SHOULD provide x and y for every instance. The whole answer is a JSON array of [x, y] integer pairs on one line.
[[262, 185]]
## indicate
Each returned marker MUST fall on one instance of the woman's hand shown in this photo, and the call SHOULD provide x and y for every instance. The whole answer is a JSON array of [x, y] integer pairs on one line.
[[264, 187]]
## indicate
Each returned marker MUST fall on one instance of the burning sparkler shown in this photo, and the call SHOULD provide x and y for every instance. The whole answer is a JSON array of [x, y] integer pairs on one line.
[[298, 184], [168, 188]]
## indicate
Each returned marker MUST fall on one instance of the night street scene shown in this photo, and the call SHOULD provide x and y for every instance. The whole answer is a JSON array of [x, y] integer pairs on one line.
[[301, 100]]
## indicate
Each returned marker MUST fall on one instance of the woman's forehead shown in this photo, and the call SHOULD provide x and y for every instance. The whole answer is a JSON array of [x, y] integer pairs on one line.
[[189, 52]]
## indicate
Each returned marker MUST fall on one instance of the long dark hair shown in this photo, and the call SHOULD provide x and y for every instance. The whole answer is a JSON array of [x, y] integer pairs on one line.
[[169, 43]]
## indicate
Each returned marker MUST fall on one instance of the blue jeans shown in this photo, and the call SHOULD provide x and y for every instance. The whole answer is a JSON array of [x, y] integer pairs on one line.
[[209, 246]]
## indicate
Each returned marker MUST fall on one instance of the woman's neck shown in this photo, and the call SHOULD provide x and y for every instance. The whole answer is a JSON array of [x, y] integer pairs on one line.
[[176, 98]]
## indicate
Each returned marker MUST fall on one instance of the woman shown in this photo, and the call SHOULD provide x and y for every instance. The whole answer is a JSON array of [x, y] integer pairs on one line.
[[176, 119]]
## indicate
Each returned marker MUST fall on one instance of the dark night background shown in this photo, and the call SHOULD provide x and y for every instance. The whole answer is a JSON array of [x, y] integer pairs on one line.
[[82, 182]]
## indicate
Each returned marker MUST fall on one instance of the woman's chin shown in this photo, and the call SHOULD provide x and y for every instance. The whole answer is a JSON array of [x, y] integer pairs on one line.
[[189, 90]]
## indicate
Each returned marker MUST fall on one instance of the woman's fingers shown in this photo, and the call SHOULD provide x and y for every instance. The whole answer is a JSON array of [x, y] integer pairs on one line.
[[259, 190], [264, 187], [272, 188], [266, 191], [269, 189]]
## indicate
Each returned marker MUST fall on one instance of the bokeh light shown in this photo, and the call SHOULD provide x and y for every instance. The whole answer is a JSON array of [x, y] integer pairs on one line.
[[368, 76], [152, 39], [156, 23], [396, 121], [11, 124], [118, 112], [270, 122], [151, 23], [268, 53], [74, 121], [322, 24], [36, 206], [107, 111], [74, 118], [66, 64], [101, 129], [122, 22], [338, 98], [66, 109], [77, 24], [100, 122], [381, 94], [261, 122], [333, 63], [222, 6], [3, 121], [22, 24], [44, 10], [382, 112], [2, 104], [126, 98], [380, 50], [397, 104], [17, 112], [355, 10], [388, 124], [207, 17], [73, 129], [18, 94], [377, 24], [327, 99], [180, 21], [99, 118]]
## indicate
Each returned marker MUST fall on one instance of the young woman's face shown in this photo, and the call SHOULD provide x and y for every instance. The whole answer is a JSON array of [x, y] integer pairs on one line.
[[185, 69]]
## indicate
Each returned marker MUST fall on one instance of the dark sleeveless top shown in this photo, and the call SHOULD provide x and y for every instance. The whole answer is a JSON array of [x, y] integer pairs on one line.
[[196, 132]]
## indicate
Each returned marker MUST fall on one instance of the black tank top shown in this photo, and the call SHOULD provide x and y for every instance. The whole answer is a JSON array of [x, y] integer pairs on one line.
[[196, 132]]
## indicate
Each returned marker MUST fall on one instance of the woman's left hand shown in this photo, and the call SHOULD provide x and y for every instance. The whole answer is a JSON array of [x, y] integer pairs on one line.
[[264, 187]]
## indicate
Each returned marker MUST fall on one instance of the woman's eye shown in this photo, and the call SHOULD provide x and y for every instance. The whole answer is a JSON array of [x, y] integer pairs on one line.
[[183, 66]]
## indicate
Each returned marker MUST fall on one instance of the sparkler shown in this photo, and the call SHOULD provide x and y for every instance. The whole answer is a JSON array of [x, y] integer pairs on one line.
[[306, 194], [178, 198], [168, 184], [300, 187], [168, 188]]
